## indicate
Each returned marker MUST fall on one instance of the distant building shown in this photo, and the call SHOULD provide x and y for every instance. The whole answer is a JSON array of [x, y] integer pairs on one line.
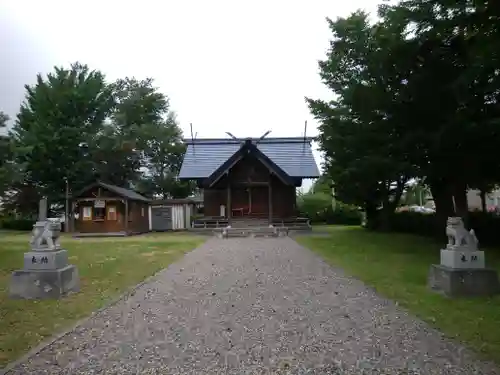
[[492, 200], [249, 177], [474, 200]]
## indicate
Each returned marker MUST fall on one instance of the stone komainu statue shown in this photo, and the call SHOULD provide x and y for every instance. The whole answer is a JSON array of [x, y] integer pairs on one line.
[[458, 236], [46, 235]]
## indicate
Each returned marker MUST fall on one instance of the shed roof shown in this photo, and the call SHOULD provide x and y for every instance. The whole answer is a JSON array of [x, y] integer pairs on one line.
[[123, 192], [293, 155]]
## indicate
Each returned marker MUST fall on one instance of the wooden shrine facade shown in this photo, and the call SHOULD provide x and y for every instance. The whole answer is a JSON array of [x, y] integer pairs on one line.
[[248, 183]]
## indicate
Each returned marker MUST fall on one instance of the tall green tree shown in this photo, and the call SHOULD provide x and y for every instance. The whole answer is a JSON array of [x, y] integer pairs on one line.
[[74, 125], [416, 97], [7, 167], [163, 154], [142, 117], [322, 185], [361, 138], [137, 103], [117, 151], [60, 113], [113, 157], [453, 91]]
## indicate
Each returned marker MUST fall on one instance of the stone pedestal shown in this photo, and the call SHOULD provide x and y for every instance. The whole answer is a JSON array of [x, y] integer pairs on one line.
[[45, 260], [462, 259], [43, 284], [462, 271], [46, 272], [463, 282]]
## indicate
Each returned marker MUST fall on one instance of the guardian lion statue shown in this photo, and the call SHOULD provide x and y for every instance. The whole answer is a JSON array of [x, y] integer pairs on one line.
[[46, 235], [458, 237]]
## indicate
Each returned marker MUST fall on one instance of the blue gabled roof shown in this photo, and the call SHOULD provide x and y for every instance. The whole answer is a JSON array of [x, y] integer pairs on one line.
[[293, 155]]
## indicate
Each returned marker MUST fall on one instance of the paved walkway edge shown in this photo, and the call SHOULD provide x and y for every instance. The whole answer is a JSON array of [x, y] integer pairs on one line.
[[37, 349]]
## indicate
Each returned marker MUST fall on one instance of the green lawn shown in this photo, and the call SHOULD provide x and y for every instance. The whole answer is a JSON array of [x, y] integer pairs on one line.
[[396, 265], [107, 267]]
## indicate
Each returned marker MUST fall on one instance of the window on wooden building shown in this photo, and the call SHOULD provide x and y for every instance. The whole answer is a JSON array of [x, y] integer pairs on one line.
[[86, 213], [99, 210], [111, 213], [99, 213], [142, 211]]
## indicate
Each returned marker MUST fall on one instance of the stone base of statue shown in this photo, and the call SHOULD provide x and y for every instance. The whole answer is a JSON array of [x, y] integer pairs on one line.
[[462, 271], [462, 258], [44, 284], [463, 282], [46, 272]]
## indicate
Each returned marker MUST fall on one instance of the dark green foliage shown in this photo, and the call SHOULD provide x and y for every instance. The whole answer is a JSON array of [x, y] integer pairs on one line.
[[163, 153], [416, 223], [314, 205], [75, 126], [320, 209], [16, 224], [416, 96], [4, 155], [9, 171], [22, 198], [60, 113], [356, 133], [485, 226], [343, 214], [322, 185]]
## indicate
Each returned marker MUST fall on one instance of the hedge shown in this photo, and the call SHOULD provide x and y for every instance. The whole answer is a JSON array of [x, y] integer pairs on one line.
[[485, 225], [16, 224], [342, 215]]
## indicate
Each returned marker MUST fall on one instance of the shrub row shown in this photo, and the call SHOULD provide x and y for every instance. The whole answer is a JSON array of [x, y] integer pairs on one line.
[[16, 224], [342, 215], [20, 224], [486, 226]]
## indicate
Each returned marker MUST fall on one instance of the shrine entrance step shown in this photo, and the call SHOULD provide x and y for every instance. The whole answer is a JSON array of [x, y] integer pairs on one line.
[[251, 232]]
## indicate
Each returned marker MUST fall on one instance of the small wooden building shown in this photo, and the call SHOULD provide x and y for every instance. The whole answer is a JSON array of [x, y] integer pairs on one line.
[[171, 214], [109, 210]]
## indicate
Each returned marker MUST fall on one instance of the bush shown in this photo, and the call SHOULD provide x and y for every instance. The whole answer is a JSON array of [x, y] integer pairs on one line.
[[197, 216], [486, 225], [342, 215], [17, 224], [415, 222], [314, 206], [318, 209]]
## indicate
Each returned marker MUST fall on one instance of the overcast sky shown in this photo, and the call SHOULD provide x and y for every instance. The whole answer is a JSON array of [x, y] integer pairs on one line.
[[243, 67]]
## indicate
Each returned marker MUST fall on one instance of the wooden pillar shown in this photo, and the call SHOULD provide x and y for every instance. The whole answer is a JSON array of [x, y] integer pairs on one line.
[[270, 203], [126, 216], [249, 199], [72, 216], [228, 207]]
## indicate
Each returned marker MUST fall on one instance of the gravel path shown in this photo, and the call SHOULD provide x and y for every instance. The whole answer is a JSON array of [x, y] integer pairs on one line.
[[253, 306]]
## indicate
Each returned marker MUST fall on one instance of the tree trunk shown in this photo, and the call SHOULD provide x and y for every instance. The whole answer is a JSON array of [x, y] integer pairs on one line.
[[461, 204], [389, 206], [398, 193], [371, 215], [443, 200], [385, 212], [482, 195]]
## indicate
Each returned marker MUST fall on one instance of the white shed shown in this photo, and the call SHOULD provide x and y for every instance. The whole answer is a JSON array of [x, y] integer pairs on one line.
[[171, 214]]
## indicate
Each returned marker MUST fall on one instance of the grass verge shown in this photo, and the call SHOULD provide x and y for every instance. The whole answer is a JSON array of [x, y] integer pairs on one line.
[[107, 267], [396, 265]]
